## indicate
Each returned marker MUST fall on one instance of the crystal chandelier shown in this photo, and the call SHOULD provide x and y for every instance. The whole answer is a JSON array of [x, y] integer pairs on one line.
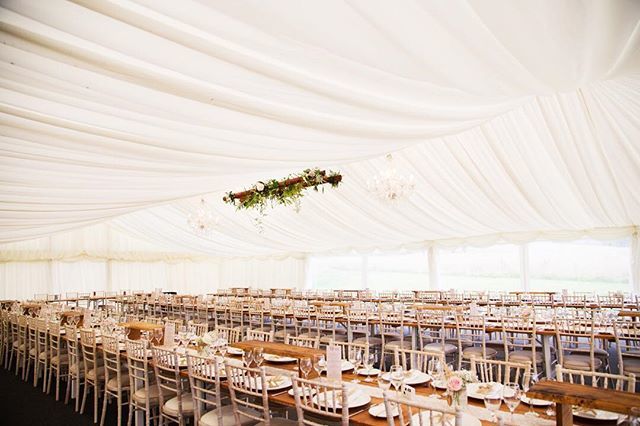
[[389, 185], [202, 221]]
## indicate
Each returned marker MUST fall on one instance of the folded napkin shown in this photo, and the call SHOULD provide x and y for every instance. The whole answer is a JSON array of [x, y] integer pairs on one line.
[[274, 381], [486, 388]]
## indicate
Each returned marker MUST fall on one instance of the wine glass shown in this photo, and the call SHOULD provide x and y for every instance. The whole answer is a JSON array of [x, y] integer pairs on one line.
[[526, 384], [493, 401], [258, 359], [223, 350], [434, 369], [396, 374], [157, 335], [511, 396], [305, 366], [318, 363], [247, 358], [369, 361], [355, 358]]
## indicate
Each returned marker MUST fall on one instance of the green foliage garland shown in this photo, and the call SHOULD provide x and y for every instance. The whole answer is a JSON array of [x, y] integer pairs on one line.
[[286, 192]]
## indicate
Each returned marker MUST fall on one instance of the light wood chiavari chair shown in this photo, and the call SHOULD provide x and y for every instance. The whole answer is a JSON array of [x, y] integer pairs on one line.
[[491, 370], [596, 379], [59, 361], [249, 396], [179, 408], [305, 342], [412, 412], [93, 369], [116, 377], [322, 400]]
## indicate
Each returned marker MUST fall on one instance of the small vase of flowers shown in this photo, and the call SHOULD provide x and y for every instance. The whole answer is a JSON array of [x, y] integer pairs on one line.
[[457, 387]]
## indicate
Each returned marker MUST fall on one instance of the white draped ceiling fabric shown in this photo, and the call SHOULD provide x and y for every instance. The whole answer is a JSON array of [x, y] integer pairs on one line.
[[519, 119]]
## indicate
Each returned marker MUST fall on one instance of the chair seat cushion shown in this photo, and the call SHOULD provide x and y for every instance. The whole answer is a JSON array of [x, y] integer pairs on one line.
[[631, 365], [112, 384], [328, 338], [74, 370], [99, 372], [525, 356], [43, 355], [171, 407], [373, 341], [140, 395], [477, 352], [581, 362], [402, 344], [60, 359], [448, 348], [211, 418]]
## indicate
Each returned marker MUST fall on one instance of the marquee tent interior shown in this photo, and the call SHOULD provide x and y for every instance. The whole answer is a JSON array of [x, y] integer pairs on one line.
[[520, 122]]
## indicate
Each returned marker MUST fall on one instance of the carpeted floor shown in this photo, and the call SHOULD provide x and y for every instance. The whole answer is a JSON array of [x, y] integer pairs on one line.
[[22, 404]]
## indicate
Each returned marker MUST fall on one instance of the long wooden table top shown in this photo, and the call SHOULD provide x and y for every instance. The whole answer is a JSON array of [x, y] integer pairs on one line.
[[585, 396], [276, 348]]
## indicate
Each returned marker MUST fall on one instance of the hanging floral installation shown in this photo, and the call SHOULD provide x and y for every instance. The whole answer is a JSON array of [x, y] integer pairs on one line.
[[287, 192]]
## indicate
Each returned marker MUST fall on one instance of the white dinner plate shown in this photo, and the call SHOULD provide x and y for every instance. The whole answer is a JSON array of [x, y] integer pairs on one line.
[[234, 351], [594, 414], [412, 377], [380, 411], [440, 384], [480, 390], [345, 365], [449, 419], [366, 372], [278, 358], [355, 398], [535, 402]]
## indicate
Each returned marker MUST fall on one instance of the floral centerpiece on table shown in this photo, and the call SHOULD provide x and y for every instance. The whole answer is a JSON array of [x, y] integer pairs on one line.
[[457, 381]]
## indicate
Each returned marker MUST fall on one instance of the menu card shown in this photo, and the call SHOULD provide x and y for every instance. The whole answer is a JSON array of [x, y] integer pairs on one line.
[[169, 334], [334, 362]]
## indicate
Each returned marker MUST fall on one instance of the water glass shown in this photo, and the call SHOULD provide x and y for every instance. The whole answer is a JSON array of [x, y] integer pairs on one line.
[[396, 374], [434, 369], [258, 358], [511, 394], [492, 402], [355, 358], [306, 366], [247, 358], [319, 363], [369, 362]]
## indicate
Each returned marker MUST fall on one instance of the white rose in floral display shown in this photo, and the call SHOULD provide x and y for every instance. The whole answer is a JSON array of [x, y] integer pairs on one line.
[[260, 186], [236, 201]]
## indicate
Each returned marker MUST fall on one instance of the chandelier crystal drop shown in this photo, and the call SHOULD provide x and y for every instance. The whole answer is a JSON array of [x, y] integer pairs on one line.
[[202, 220], [391, 186]]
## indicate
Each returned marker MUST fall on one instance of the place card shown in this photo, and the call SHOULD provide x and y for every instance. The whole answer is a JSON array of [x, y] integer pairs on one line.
[[334, 362], [169, 333]]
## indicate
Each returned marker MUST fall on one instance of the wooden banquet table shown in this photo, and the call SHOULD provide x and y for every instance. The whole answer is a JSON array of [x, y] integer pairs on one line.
[[359, 416], [565, 395]]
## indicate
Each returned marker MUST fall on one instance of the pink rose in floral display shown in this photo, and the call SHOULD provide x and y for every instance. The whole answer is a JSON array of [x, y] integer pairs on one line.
[[455, 383]]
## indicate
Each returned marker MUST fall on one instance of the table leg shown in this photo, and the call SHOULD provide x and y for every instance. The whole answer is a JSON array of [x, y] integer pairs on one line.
[[564, 414]]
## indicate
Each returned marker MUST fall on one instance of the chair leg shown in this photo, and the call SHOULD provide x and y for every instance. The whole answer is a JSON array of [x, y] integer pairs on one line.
[[104, 409], [96, 390], [68, 391], [48, 381], [130, 415], [84, 396], [78, 394]]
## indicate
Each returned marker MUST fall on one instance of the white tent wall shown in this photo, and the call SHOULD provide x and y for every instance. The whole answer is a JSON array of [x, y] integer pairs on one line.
[[99, 258]]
